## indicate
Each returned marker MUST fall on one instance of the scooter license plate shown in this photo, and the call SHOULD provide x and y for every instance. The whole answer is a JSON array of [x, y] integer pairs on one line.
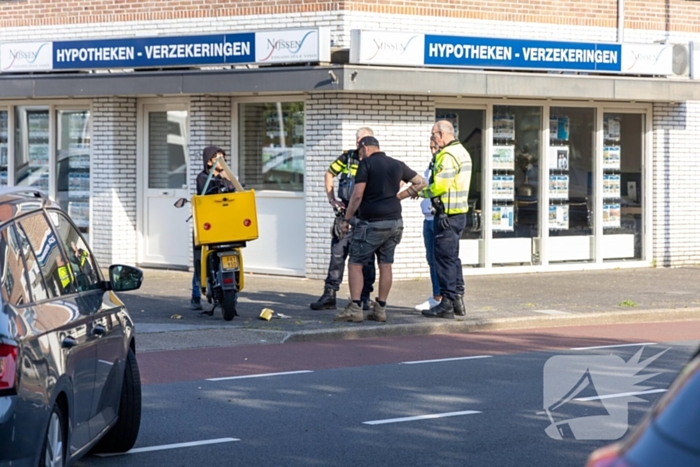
[[230, 262]]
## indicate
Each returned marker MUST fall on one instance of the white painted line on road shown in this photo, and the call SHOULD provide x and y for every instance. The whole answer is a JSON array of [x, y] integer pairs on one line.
[[171, 446], [421, 417], [262, 375], [622, 394], [612, 346], [552, 312], [446, 360]]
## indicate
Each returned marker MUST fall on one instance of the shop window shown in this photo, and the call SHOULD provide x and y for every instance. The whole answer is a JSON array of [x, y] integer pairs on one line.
[[4, 150], [32, 147], [570, 168], [73, 165], [54, 267], [623, 149], [271, 148], [516, 184], [14, 284], [468, 125]]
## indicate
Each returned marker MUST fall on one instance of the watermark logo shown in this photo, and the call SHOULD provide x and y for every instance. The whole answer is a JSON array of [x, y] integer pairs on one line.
[[587, 397]]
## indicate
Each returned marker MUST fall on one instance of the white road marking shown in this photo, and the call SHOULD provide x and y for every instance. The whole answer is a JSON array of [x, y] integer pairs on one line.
[[445, 360], [622, 394], [552, 312], [612, 346], [421, 417], [171, 446], [262, 375]]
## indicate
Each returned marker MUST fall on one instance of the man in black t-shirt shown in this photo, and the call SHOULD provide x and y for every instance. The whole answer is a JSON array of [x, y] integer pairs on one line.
[[377, 202]]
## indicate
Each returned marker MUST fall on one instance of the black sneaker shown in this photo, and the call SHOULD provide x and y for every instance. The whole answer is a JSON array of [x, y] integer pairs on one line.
[[195, 303]]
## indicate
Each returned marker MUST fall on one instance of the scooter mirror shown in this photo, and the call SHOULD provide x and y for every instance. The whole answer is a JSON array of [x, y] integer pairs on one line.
[[180, 202]]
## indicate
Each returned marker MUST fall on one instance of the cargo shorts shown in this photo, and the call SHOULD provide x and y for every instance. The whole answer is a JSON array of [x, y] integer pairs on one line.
[[380, 237]]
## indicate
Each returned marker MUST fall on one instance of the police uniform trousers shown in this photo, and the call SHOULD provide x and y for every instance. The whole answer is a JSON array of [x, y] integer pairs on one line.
[[447, 262]]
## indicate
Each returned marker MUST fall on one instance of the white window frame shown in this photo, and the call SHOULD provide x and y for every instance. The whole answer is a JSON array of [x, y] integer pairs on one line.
[[601, 108]]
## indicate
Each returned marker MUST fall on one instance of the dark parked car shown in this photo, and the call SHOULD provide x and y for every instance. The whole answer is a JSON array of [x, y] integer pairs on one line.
[[669, 435], [69, 381]]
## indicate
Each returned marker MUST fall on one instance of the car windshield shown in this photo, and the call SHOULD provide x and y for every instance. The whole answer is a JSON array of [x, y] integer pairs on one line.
[[680, 419]]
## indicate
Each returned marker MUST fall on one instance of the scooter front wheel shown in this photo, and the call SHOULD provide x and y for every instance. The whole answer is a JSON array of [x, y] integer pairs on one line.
[[228, 304]]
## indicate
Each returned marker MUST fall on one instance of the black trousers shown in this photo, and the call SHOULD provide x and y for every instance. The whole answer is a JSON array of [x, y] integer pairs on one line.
[[447, 262], [340, 249]]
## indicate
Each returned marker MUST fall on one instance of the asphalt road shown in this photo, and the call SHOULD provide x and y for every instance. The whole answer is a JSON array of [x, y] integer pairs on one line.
[[346, 403]]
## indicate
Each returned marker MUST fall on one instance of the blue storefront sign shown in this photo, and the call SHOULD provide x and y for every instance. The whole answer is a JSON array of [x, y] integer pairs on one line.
[[524, 54], [431, 50], [260, 47], [220, 49]]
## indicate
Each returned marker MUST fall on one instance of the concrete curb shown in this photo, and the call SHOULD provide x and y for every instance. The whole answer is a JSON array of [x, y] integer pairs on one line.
[[499, 324]]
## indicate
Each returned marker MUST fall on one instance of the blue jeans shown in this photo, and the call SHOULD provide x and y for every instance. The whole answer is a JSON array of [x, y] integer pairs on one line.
[[196, 292], [429, 242]]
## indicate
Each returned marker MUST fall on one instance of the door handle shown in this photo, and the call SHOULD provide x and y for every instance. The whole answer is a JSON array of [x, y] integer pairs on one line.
[[99, 330], [69, 342]]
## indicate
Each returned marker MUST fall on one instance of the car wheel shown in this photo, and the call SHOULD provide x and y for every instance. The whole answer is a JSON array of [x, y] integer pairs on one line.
[[122, 436], [53, 452], [228, 304]]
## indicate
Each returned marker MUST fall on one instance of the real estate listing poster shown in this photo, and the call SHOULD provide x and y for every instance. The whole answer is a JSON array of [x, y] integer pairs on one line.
[[611, 157], [611, 215], [503, 188], [558, 158], [502, 218], [558, 187], [559, 217], [503, 157], [504, 127]]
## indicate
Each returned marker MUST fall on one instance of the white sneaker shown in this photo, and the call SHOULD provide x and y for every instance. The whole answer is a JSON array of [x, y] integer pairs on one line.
[[428, 304]]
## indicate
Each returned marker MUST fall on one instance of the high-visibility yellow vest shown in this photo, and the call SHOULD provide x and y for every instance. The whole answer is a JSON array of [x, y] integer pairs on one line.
[[64, 276], [450, 178]]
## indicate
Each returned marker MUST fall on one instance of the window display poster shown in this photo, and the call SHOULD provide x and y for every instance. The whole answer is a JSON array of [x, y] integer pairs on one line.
[[559, 128], [611, 128], [504, 127], [503, 157], [558, 157], [611, 215], [611, 185], [558, 187], [451, 117], [80, 213], [503, 187], [611, 157], [559, 217], [502, 218]]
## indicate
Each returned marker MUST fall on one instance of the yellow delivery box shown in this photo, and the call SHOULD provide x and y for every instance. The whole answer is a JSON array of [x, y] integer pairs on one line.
[[224, 218]]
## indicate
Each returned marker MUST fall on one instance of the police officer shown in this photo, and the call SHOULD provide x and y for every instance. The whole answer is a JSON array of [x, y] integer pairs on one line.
[[345, 166], [448, 190]]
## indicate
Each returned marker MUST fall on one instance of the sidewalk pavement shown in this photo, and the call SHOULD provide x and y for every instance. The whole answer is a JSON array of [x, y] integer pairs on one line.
[[164, 321]]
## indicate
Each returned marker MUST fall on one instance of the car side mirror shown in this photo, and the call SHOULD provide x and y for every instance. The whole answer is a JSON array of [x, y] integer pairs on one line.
[[180, 202], [124, 278]]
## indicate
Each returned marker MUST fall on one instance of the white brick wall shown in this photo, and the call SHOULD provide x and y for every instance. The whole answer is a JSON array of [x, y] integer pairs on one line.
[[402, 125], [114, 180], [676, 173]]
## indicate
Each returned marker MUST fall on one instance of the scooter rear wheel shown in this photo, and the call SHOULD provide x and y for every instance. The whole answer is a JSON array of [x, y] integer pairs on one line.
[[228, 304]]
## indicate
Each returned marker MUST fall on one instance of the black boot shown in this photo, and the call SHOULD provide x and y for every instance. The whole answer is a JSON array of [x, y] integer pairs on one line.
[[444, 309], [365, 303], [326, 301], [458, 304]]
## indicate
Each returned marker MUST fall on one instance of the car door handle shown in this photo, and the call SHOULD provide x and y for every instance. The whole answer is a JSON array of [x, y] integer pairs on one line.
[[99, 330], [69, 342]]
